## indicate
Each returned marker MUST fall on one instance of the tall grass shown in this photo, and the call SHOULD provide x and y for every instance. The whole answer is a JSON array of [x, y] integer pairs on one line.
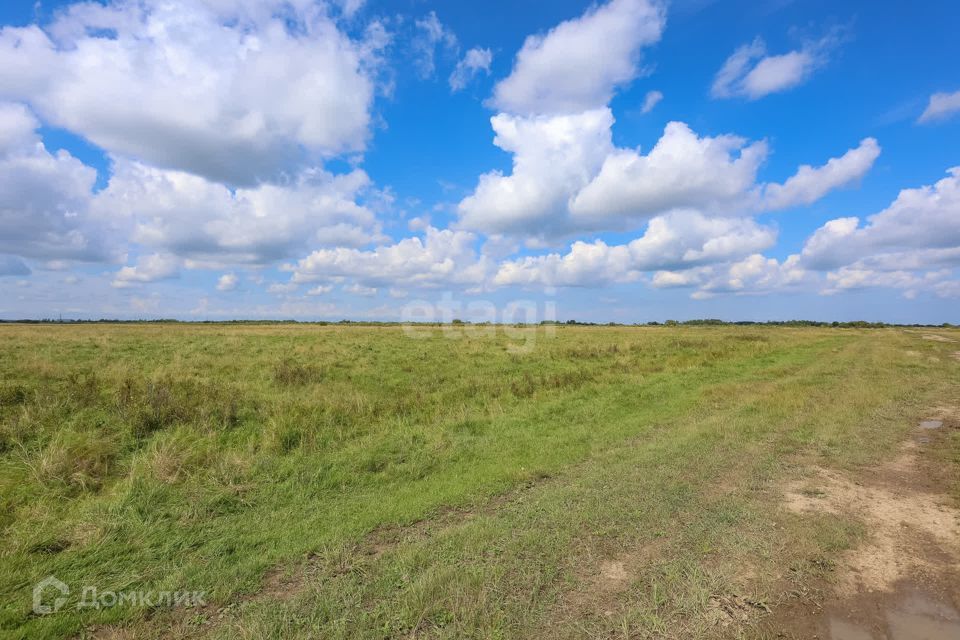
[[203, 457]]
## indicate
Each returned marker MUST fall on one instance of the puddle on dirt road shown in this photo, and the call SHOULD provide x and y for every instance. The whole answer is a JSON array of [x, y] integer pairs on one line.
[[922, 617], [915, 616], [902, 582], [843, 630]]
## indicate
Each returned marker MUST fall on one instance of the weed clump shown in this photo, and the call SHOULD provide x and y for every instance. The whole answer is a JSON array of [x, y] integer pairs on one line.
[[83, 389], [289, 439], [12, 395], [153, 405], [290, 373], [158, 408], [75, 462]]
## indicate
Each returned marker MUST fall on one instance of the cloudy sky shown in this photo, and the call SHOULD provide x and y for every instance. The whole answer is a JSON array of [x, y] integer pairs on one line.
[[627, 161]]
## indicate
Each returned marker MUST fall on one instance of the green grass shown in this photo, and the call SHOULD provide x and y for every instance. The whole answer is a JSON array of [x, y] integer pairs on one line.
[[390, 486]]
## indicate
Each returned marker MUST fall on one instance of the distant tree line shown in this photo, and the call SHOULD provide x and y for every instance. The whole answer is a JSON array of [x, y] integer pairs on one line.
[[706, 322], [701, 322]]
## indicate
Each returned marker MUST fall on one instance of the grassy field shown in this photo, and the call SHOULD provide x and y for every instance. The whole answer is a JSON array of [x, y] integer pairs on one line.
[[336, 481]]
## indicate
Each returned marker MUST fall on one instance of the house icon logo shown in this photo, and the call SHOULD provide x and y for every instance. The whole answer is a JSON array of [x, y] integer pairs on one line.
[[49, 595]]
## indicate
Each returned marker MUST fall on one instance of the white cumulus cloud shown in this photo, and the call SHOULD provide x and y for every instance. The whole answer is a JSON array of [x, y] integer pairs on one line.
[[677, 241], [578, 64], [809, 184], [568, 177], [45, 197], [148, 269], [440, 257], [923, 219], [553, 157], [750, 72], [914, 244], [755, 274], [192, 217], [233, 91], [585, 264], [682, 170]]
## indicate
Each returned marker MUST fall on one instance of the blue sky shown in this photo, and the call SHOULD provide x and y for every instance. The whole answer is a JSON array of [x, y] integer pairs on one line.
[[223, 159]]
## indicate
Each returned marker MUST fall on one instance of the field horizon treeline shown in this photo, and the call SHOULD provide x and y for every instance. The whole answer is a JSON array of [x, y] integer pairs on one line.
[[696, 322]]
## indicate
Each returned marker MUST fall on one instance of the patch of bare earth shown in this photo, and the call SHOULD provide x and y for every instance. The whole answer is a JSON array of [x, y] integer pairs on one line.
[[903, 581], [600, 581]]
